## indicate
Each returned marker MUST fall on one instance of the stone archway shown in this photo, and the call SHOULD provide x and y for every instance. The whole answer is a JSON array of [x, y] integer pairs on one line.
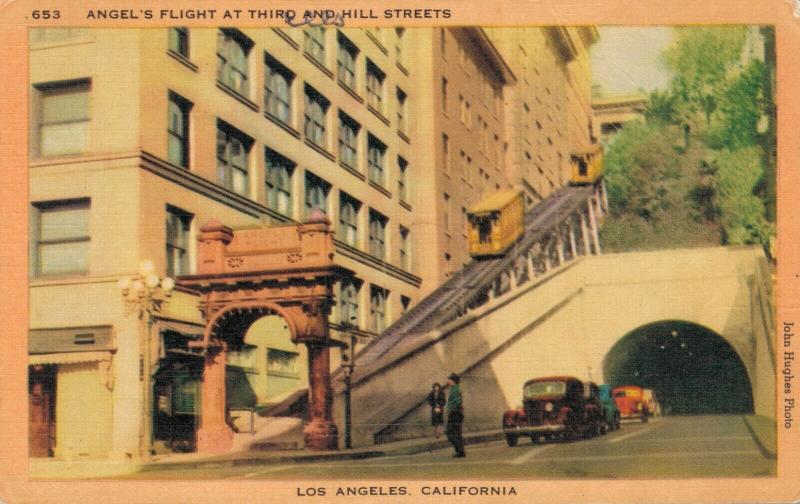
[[245, 275]]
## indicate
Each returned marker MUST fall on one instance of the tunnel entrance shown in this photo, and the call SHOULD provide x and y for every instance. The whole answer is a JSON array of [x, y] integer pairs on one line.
[[691, 369]]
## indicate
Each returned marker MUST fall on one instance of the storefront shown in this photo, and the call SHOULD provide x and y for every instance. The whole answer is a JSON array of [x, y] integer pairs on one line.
[[71, 382]]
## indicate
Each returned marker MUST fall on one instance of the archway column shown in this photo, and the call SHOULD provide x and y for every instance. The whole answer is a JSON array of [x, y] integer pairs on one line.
[[320, 433], [214, 434]]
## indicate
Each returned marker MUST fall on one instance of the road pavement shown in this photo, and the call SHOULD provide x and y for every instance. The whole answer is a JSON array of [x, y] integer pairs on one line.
[[665, 447]]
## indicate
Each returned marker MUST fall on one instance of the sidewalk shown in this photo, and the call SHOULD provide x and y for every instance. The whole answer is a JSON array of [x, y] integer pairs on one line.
[[49, 469], [405, 447]]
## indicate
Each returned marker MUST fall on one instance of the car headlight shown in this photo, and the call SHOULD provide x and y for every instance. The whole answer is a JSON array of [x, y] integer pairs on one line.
[[639, 407], [548, 407]]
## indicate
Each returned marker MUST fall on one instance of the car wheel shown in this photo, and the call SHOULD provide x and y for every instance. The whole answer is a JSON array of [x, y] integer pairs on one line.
[[511, 439], [604, 427]]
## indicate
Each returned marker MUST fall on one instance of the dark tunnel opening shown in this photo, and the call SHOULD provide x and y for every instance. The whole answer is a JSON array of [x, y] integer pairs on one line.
[[691, 369]]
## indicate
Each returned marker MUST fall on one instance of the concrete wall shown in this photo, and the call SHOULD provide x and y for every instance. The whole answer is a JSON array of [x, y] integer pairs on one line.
[[564, 323]]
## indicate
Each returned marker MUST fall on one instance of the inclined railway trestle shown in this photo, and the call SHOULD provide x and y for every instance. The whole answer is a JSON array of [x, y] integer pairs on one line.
[[558, 229]]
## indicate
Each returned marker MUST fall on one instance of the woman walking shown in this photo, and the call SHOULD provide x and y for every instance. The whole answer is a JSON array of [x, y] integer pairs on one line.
[[437, 401]]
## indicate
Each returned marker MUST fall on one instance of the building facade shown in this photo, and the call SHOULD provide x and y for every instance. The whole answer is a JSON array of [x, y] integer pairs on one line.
[[140, 137], [549, 115]]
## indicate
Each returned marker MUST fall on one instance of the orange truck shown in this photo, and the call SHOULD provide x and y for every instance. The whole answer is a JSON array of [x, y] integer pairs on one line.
[[631, 402]]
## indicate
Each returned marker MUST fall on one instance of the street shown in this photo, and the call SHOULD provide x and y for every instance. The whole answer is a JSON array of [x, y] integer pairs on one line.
[[666, 447]]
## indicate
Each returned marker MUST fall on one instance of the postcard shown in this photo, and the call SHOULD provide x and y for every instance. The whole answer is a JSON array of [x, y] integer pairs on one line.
[[400, 252]]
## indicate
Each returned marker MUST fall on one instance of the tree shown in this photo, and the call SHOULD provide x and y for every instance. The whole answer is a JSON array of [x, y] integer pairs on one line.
[[742, 212], [661, 108], [700, 59]]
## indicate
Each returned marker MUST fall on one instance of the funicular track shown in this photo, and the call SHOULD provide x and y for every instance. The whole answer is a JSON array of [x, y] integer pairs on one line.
[[474, 281]]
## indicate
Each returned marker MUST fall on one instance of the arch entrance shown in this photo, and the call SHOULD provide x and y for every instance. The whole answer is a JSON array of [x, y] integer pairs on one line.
[[691, 369], [245, 275]]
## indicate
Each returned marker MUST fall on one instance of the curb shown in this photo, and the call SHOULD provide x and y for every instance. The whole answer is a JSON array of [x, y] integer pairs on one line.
[[426, 446], [766, 452]]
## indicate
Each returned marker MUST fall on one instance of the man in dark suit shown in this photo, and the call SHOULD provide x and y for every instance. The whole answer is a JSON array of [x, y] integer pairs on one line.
[[455, 415]]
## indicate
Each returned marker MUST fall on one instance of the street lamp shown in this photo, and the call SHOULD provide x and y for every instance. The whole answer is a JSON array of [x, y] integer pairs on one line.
[[348, 364], [145, 294]]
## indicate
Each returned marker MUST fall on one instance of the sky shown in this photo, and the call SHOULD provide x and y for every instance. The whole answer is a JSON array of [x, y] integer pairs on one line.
[[628, 58]]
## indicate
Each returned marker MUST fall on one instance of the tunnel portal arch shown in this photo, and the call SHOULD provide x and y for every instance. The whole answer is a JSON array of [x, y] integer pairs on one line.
[[691, 369]]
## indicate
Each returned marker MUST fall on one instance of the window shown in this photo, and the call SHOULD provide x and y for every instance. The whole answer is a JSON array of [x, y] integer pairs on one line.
[[315, 43], [316, 193], [402, 112], [444, 94], [348, 219], [64, 117], [244, 357], [375, 78], [462, 110], [315, 114], [405, 304], [233, 149], [402, 179], [346, 61], [377, 308], [348, 140], [281, 362], [446, 219], [61, 237], [178, 130], [446, 152], [399, 45], [405, 248], [468, 114], [277, 90], [376, 152], [279, 172], [179, 41], [232, 49], [348, 301], [178, 226], [377, 234]]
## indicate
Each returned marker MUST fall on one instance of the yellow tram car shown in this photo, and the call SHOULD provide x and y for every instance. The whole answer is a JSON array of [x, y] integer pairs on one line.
[[587, 166], [496, 223]]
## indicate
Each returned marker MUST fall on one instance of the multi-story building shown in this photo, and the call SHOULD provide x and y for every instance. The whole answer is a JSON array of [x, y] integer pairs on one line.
[[612, 112], [463, 140], [140, 137], [549, 115], [251, 127]]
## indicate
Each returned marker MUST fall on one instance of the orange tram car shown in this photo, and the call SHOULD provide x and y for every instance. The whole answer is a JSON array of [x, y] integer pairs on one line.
[[497, 222]]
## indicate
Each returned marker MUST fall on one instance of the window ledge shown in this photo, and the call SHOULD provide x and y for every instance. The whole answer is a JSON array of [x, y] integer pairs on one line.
[[283, 374], [286, 127], [320, 149], [352, 92], [380, 189], [183, 60], [377, 42], [318, 64], [378, 114], [402, 68], [352, 170], [403, 136], [237, 95], [285, 36], [87, 39], [406, 205]]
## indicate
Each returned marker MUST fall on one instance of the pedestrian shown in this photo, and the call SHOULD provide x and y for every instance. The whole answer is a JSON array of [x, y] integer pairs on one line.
[[455, 415], [437, 401]]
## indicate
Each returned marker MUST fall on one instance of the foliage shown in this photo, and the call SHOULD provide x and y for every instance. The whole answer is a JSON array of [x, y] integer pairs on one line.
[[700, 59], [742, 212], [696, 171], [661, 108]]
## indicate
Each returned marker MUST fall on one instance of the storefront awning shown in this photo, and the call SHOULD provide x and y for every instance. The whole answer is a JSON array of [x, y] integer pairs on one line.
[[68, 358], [190, 330]]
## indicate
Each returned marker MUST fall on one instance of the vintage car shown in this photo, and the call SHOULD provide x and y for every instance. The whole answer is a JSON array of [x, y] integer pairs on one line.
[[554, 407], [631, 403], [610, 409], [653, 405]]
